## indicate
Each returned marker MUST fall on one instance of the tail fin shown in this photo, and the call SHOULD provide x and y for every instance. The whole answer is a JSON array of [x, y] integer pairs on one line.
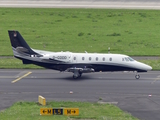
[[19, 45]]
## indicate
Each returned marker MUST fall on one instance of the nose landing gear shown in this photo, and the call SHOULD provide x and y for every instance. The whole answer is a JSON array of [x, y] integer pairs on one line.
[[137, 76]]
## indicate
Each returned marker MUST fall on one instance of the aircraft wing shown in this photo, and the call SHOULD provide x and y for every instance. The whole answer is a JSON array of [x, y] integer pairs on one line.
[[80, 70]]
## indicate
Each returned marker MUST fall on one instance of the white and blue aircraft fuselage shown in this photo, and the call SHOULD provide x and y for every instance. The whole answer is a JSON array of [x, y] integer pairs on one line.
[[78, 63]]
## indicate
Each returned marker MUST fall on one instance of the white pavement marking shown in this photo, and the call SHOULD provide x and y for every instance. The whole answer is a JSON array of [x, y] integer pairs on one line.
[[100, 102], [158, 78]]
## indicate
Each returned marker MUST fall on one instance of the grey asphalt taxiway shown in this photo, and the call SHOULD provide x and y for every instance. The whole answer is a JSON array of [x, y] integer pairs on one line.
[[140, 97]]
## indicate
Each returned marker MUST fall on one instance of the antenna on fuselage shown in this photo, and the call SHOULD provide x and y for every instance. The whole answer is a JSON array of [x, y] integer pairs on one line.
[[85, 51], [108, 49]]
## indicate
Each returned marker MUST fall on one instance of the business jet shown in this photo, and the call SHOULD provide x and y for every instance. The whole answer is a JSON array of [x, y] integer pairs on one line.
[[77, 63]]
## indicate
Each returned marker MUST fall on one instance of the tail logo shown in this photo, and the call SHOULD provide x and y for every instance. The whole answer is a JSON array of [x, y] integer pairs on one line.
[[15, 34]]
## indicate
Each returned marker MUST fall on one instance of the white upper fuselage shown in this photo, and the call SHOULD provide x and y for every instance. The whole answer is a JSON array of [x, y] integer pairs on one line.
[[95, 58]]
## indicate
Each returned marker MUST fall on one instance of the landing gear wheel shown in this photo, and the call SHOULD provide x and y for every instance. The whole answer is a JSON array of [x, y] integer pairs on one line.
[[75, 77], [137, 76], [80, 74]]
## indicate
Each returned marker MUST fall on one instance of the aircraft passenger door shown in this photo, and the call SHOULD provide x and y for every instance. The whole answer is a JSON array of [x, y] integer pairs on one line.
[[74, 59], [69, 58]]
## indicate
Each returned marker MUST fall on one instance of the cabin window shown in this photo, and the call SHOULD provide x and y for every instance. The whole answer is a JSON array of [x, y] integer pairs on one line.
[[82, 58], [74, 58], [122, 59], [96, 58], [110, 59], [103, 59], [89, 58]]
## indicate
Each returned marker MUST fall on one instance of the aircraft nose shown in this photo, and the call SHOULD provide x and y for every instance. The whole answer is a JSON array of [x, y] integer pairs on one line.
[[146, 67], [143, 66], [149, 67]]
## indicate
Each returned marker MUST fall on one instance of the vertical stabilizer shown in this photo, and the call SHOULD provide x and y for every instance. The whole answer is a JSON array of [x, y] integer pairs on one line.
[[19, 45]]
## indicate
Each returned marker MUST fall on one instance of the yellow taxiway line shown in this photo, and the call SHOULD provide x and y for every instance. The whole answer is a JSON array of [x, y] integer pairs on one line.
[[21, 77]]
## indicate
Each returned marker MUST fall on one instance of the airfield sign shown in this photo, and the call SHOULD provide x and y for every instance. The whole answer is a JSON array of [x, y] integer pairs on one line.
[[71, 111], [59, 111], [46, 111]]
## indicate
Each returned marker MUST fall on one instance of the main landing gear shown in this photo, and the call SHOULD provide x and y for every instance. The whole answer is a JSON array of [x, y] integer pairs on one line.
[[77, 75]]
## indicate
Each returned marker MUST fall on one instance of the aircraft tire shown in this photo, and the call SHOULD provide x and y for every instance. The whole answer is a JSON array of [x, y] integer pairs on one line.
[[137, 76], [80, 75], [74, 77]]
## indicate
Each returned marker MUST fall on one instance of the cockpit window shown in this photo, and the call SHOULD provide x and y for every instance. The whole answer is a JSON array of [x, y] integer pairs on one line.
[[131, 59], [126, 59]]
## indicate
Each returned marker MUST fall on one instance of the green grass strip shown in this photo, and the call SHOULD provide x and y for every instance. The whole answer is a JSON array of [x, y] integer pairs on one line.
[[15, 64], [131, 32], [87, 111]]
